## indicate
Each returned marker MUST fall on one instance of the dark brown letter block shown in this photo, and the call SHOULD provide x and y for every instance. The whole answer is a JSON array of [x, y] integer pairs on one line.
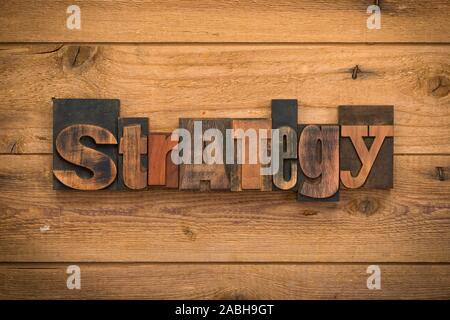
[[285, 115], [367, 146], [318, 155], [199, 175], [133, 133], [85, 144], [162, 171]]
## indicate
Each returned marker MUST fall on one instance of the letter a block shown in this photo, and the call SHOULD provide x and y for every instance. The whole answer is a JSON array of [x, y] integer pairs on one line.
[[200, 175]]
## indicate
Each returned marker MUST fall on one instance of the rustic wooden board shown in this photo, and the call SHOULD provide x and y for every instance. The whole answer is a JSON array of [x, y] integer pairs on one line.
[[236, 81], [99, 114], [225, 21], [406, 224], [224, 281]]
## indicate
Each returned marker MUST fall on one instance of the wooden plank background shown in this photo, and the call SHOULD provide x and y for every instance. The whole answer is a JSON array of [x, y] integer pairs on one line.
[[171, 59]]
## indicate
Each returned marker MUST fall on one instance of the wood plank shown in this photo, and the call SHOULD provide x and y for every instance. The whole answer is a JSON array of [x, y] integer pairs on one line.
[[225, 21], [224, 281], [409, 223], [165, 83]]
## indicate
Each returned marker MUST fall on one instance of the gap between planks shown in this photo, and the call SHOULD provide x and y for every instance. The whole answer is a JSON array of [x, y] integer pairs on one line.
[[288, 263], [317, 44]]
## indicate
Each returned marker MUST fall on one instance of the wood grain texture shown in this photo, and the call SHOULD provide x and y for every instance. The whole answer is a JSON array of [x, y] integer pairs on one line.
[[224, 281], [409, 223], [225, 21], [168, 82]]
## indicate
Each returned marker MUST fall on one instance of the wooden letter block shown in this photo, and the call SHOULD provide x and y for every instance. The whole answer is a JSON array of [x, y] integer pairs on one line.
[[247, 176], [286, 176], [162, 171], [133, 133], [202, 176], [85, 144], [367, 146], [318, 154], [285, 115]]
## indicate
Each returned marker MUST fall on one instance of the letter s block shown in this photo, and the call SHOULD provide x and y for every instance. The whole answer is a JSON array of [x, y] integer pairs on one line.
[[85, 144]]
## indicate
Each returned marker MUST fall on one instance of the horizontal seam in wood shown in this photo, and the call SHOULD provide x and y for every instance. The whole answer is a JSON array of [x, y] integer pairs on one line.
[[232, 43], [12, 263]]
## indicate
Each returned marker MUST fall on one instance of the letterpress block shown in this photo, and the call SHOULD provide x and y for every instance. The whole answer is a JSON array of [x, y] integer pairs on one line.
[[318, 155], [85, 143], [284, 118], [133, 159], [210, 172], [367, 146], [252, 137], [162, 171]]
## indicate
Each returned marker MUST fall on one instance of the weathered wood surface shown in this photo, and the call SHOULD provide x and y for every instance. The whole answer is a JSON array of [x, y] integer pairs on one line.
[[198, 59], [409, 223], [225, 21], [237, 81], [224, 281]]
